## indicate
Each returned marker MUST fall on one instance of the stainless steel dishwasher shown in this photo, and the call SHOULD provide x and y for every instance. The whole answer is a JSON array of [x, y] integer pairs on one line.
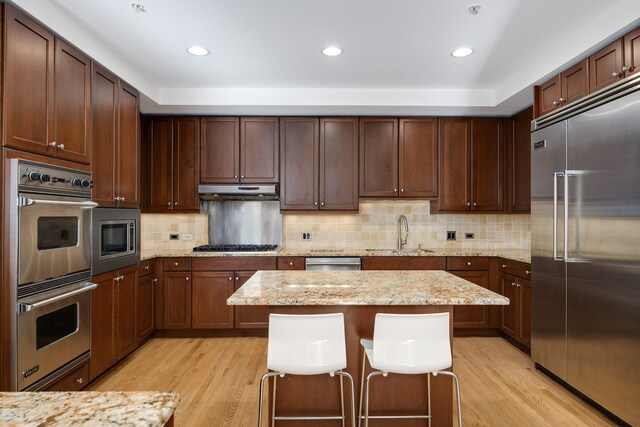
[[332, 263]]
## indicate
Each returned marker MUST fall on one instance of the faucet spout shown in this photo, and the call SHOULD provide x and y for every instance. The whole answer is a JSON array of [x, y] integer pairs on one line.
[[402, 223]]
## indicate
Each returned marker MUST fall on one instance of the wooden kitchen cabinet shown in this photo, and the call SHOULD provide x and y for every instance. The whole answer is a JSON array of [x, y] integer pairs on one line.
[[145, 301], [509, 318], [209, 299], [632, 52], [115, 141], [418, 161], [170, 164], [547, 96], [126, 284], [47, 92], [605, 66], [524, 312], [220, 150], [515, 318], [72, 381], [259, 150], [519, 162], [249, 317], [177, 299], [318, 164], [472, 316], [404, 263], [563, 88], [471, 165], [378, 157]]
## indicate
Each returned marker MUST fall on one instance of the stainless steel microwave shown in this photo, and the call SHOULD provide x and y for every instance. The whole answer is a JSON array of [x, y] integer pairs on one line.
[[116, 239]]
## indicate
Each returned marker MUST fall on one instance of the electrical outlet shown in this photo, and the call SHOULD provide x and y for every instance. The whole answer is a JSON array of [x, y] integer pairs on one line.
[[451, 235], [187, 236], [468, 236], [174, 237], [306, 236]]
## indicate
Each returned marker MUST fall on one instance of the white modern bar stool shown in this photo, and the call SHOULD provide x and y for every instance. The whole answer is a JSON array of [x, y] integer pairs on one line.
[[306, 345], [407, 344]]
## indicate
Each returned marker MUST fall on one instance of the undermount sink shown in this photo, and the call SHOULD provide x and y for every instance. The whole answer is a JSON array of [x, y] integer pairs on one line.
[[399, 251]]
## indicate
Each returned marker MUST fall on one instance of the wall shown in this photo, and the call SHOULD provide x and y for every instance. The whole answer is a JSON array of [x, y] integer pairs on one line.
[[375, 226], [155, 230]]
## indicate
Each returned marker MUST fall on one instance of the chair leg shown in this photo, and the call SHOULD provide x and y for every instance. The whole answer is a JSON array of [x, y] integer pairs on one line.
[[273, 402], [455, 377], [429, 397], [366, 398], [264, 377], [353, 396], [342, 400], [364, 362]]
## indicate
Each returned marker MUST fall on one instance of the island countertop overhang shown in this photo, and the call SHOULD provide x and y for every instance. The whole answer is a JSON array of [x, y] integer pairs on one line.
[[372, 287]]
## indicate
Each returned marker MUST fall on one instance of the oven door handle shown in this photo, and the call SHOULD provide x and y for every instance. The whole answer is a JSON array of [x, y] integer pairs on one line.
[[25, 201], [24, 307]]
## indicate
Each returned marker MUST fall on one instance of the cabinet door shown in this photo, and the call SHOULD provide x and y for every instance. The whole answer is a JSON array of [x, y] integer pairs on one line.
[[339, 164], [520, 162], [72, 112], [378, 157], [454, 193], [548, 96], [103, 325], [575, 82], [508, 319], [186, 152], [128, 147], [104, 135], [249, 317], [487, 167], [177, 300], [126, 311], [145, 306], [472, 316], [157, 158], [210, 292], [605, 66], [259, 150], [524, 312], [299, 163], [419, 157], [28, 84], [220, 150], [632, 52]]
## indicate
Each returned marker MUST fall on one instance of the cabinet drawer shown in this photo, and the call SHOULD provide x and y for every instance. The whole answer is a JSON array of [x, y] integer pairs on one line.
[[73, 381], [460, 263], [177, 264], [291, 263], [145, 267], [233, 263], [515, 268]]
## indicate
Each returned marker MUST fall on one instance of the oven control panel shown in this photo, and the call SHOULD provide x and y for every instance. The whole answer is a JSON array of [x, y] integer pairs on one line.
[[53, 179]]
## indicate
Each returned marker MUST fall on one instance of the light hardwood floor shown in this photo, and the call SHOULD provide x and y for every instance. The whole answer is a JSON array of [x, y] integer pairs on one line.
[[217, 379]]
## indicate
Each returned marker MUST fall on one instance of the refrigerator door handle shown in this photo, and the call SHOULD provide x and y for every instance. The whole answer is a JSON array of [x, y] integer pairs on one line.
[[557, 175]]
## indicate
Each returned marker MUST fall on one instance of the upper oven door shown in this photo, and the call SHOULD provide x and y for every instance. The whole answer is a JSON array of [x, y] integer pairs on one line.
[[54, 237]]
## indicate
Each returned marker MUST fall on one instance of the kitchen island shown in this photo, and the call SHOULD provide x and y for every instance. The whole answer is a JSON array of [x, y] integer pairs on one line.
[[359, 295]]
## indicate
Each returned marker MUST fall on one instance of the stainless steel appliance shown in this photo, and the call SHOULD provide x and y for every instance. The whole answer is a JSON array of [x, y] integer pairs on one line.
[[50, 265], [585, 254], [116, 239], [241, 249], [332, 263], [238, 192]]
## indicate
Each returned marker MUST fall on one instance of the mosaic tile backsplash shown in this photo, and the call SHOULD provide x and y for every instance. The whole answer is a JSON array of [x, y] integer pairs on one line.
[[375, 226]]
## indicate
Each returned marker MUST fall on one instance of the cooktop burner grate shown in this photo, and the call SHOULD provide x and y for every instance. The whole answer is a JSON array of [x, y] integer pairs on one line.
[[235, 248]]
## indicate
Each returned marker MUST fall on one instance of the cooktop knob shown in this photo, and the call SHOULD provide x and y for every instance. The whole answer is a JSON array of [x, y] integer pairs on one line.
[[33, 176], [85, 183], [76, 182], [45, 178]]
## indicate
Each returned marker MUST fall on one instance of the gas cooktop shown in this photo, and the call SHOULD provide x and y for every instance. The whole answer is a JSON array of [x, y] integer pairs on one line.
[[236, 248]]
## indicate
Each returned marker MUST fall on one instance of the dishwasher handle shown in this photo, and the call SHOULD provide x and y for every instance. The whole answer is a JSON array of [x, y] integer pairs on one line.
[[332, 264]]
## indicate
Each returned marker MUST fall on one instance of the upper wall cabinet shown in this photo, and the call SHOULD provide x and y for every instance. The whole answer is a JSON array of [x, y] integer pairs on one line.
[[47, 92], [566, 87], [235, 150], [170, 164], [471, 165], [519, 162], [399, 158], [115, 140], [319, 164]]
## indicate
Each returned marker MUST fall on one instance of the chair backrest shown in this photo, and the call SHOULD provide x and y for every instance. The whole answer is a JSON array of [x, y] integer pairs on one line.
[[306, 344], [411, 343]]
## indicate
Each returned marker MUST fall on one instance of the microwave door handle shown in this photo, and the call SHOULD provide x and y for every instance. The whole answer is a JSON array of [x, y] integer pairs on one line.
[[25, 201], [23, 307]]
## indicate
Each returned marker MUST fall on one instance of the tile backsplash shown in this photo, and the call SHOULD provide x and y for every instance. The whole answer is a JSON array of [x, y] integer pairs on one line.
[[376, 225]]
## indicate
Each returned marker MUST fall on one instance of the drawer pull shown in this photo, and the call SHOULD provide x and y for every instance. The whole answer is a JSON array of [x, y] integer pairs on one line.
[[290, 263], [528, 272], [176, 264], [469, 263], [80, 380], [155, 280], [504, 265], [146, 267]]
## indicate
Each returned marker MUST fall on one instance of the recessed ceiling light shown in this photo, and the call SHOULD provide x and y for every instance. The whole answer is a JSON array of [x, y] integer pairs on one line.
[[332, 51], [462, 52], [198, 51], [138, 7], [473, 9]]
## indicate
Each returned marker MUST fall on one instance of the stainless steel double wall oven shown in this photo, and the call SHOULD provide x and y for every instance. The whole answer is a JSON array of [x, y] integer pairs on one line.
[[50, 271]]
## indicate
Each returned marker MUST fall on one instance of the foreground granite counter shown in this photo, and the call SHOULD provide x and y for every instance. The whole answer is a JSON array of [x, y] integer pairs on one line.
[[87, 408], [373, 287], [522, 255]]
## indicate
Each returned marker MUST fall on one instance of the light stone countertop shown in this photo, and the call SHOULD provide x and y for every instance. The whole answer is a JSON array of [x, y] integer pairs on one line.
[[87, 408], [522, 255], [372, 287]]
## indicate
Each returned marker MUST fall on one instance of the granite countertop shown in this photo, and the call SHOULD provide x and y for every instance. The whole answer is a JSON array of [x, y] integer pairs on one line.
[[373, 287], [87, 408], [522, 255]]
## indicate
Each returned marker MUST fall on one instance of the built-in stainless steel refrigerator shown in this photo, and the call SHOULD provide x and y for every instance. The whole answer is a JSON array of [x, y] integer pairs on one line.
[[585, 246]]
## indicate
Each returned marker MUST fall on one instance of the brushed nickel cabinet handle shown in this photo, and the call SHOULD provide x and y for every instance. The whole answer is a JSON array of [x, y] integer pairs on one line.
[[513, 284], [468, 204], [615, 75], [469, 263], [237, 278], [321, 203], [53, 144], [561, 100], [175, 203], [80, 380], [230, 278], [61, 146], [121, 198], [504, 265], [315, 203], [402, 190], [528, 272], [290, 264], [475, 204], [235, 176], [186, 278], [554, 103], [154, 280], [242, 177], [146, 267], [176, 264], [169, 204], [395, 190]]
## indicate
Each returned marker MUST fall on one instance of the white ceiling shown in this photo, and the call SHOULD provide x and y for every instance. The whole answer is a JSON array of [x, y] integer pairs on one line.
[[265, 55]]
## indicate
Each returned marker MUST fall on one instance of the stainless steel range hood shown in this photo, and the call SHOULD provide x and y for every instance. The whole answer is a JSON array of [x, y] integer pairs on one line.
[[238, 192]]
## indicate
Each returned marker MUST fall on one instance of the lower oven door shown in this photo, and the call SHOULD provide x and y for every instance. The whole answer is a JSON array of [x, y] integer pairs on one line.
[[54, 328]]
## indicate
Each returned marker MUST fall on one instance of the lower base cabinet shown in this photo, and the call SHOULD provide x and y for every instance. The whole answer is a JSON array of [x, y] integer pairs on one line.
[[515, 320], [210, 290], [472, 316], [177, 300], [145, 302], [73, 381], [247, 317]]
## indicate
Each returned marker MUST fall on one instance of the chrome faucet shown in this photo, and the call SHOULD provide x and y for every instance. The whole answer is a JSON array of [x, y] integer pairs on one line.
[[402, 223]]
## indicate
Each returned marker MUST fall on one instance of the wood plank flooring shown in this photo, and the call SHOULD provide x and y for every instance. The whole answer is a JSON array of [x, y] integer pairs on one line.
[[217, 379]]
